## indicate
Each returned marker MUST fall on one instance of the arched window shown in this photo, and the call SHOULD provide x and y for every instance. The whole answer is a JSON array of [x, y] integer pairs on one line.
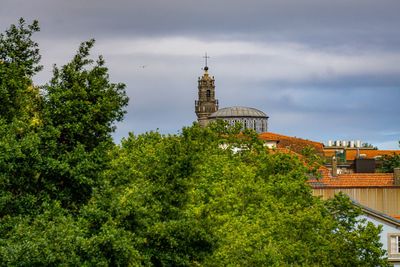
[[208, 93], [264, 126]]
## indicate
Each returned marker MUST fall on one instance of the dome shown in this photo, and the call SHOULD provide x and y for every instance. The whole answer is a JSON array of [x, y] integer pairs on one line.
[[238, 112]]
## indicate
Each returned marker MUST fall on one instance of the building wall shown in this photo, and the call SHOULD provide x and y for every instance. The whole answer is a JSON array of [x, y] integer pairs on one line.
[[385, 200], [387, 230], [270, 144]]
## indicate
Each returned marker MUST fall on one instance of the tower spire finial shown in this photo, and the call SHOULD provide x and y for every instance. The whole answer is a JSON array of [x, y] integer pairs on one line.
[[206, 57]]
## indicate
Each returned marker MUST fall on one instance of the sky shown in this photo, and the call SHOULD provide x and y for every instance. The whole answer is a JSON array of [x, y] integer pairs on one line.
[[320, 69]]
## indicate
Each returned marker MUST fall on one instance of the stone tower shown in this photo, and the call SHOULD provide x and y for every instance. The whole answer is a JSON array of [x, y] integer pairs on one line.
[[206, 103]]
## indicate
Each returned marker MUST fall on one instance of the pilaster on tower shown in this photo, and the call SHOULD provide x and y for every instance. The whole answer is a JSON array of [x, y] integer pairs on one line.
[[206, 103]]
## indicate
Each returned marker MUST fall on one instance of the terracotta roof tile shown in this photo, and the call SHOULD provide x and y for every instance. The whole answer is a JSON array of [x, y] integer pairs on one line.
[[369, 153], [293, 143], [277, 137], [351, 154], [342, 180], [353, 180]]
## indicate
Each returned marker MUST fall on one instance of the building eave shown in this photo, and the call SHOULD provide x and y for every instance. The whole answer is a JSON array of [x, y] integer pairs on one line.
[[377, 214]]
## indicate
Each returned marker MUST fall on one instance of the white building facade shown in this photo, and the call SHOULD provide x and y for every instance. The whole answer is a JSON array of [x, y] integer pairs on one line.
[[390, 235]]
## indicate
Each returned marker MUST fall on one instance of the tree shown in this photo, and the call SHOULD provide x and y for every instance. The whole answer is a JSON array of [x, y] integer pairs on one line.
[[19, 61], [389, 162], [81, 103], [367, 145], [57, 237], [191, 199], [53, 142], [20, 107], [80, 109], [49, 165]]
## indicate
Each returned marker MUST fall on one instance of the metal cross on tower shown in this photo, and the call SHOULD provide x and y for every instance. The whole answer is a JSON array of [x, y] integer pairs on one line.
[[206, 57]]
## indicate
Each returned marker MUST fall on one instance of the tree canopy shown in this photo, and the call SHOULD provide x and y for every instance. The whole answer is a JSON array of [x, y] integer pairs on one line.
[[204, 197], [54, 138], [390, 162]]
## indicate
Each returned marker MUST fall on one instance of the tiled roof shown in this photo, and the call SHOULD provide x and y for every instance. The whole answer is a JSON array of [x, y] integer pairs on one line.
[[268, 136], [326, 180], [369, 153], [329, 152], [353, 180], [293, 143], [351, 154], [276, 137]]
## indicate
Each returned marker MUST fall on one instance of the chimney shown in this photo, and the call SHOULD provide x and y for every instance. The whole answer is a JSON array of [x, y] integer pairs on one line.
[[396, 176], [351, 143], [358, 143], [334, 167]]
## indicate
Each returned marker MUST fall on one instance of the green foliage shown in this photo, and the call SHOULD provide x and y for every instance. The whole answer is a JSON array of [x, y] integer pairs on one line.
[[367, 145], [19, 61], [389, 162], [54, 237], [192, 199], [53, 143], [82, 104], [312, 158], [359, 240], [205, 197]]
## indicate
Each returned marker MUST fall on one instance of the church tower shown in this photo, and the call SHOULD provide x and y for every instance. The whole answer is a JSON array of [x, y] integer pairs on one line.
[[206, 103]]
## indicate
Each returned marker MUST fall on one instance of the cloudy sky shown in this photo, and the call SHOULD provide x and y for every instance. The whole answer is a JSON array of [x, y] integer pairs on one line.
[[320, 69]]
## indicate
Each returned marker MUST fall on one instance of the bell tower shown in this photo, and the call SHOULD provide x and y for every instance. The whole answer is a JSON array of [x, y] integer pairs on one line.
[[206, 103]]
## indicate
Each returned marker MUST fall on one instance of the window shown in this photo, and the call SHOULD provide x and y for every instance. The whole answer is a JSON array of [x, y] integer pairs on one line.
[[394, 246], [208, 93]]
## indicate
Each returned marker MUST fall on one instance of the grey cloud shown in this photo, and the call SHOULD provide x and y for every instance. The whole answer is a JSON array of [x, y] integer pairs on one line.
[[302, 20]]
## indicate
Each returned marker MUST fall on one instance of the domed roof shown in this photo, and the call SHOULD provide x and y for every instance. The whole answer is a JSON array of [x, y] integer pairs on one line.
[[237, 112]]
